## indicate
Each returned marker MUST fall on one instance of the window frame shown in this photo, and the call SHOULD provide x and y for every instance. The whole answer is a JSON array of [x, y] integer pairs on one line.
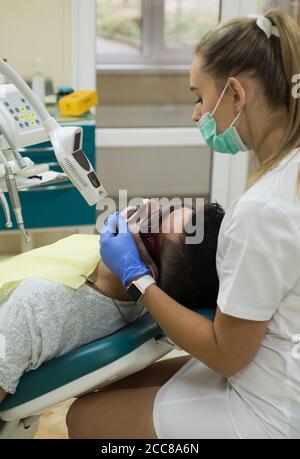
[[82, 54], [153, 52]]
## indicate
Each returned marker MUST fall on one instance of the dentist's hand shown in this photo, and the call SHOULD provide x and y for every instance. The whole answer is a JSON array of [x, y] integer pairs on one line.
[[119, 251]]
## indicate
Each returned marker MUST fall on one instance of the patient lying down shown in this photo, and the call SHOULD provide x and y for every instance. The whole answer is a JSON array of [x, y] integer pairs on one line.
[[41, 320]]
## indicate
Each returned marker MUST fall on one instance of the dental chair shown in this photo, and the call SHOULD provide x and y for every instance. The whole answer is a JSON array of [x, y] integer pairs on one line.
[[81, 371]]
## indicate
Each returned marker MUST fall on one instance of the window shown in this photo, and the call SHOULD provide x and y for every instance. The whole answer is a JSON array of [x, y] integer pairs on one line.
[[152, 31]]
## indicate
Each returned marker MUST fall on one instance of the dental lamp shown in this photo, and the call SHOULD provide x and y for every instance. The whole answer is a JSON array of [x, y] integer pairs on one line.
[[24, 121]]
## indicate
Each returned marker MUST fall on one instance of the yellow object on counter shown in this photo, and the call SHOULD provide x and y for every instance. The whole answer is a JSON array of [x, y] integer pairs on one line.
[[77, 103], [63, 262]]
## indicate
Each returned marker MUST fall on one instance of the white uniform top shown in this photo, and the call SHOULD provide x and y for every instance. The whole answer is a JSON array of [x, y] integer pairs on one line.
[[258, 263]]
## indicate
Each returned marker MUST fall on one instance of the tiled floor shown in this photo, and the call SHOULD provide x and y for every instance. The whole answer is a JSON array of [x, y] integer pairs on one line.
[[52, 423]]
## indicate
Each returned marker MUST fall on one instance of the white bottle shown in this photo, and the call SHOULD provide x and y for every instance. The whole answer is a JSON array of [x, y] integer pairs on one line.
[[38, 80]]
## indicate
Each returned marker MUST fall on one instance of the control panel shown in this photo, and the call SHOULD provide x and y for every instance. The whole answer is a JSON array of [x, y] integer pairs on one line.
[[19, 118]]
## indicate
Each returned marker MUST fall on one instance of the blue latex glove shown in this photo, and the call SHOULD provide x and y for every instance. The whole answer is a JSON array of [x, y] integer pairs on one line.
[[119, 251]]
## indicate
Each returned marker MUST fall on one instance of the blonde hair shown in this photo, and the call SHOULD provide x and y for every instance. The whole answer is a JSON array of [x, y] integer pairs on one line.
[[240, 46]]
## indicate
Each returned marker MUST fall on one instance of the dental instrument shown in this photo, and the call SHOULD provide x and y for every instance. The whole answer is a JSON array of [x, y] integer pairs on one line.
[[4, 204], [14, 197]]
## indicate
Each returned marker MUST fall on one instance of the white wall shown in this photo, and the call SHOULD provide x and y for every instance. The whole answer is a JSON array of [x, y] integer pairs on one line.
[[41, 28]]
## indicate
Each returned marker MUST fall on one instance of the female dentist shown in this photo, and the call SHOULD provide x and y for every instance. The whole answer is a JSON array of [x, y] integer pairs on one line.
[[242, 376]]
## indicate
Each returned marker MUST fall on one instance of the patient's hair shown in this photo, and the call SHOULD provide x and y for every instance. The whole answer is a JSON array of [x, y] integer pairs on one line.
[[188, 272]]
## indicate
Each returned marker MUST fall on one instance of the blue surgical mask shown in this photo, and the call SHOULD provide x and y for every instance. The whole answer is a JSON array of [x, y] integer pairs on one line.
[[229, 141]]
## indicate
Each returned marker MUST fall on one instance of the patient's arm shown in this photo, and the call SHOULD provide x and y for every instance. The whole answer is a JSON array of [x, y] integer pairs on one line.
[[2, 395]]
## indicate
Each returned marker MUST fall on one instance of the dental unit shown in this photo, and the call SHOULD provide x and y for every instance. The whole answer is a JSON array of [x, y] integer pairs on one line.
[[24, 121]]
